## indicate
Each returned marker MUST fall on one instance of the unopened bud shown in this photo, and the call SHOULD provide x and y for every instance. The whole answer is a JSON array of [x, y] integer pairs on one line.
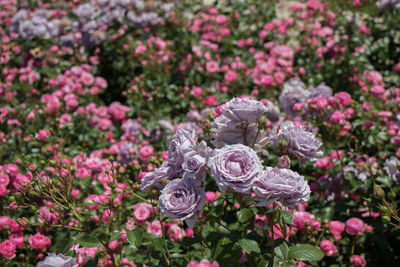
[[284, 162], [378, 191], [111, 158], [262, 123], [386, 219], [282, 144], [392, 195]]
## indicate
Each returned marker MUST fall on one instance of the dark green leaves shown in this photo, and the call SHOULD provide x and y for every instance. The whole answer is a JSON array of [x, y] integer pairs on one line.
[[305, 252], [249, 245], [88, 241], [135, 236]]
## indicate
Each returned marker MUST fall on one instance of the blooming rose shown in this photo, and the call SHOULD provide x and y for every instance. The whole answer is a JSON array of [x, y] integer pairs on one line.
[[284, 185], [244, 110], [328, 247], [175, 232], [301, 143], [336, 227], [357, 260], [301, 219], [182, 142], [7, 249], [83, 253], [227, 132], [293, 92], [154, 228], [154, 179], [235, 167], [142, 211], [39, 241], [354, 226], [194, 165], [181, 200], [57, 260], [390, 166]]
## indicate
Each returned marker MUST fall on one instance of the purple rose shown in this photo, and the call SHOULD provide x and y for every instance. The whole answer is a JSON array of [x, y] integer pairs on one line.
[[227, 133], [244, 110], [126, 152], [182, 142], [303, 144], [293, 92], [182, 200], [155, 179], [235, 167], [54, 260], [390, 166], [194, 165], [283, 185], [321, 90]]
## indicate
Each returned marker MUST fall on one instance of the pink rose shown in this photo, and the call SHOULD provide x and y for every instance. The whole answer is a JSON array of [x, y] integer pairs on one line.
[[154, 228], [142, 211], [39, 241], [354, 226], [212, 66], [319, 102], [7, 249], [203, 263], [328, 247], [377, 90], [344, 98], [357, 260], [337, 117], [17, 239], [83, 253], [230, 76], [117, 111], [301, 219], [175, 232], [336, 227], [146, 151]]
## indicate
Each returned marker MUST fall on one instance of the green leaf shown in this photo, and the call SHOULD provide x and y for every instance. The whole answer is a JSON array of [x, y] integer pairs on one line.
[[157, 242], [88, 241], [282, 250], [245, 215], [305, 252], [135, 236], [249, 245], [287, 217], [115, 236]]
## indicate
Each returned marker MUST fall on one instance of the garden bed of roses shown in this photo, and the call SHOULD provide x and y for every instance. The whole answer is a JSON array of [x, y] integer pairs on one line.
[[199, 133]]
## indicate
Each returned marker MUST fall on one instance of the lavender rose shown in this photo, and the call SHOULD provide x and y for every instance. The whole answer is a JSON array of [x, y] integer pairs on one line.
[[244, 110], [284, 185], [182, 200], [390, 166], [54, 260], [194, 164], [155, 179], [227, 133], [235, 167], [293, 92], [182, 142], [303, 144]]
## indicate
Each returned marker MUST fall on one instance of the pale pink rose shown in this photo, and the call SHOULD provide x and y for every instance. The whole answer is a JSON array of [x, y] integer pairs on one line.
[[154, 228], [175, 232]]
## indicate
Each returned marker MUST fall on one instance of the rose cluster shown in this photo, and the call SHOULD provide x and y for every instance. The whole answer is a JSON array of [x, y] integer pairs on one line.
[[232, 160]]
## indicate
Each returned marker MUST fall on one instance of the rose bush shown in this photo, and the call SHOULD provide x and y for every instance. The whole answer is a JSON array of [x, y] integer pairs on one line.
[[199, 133]]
